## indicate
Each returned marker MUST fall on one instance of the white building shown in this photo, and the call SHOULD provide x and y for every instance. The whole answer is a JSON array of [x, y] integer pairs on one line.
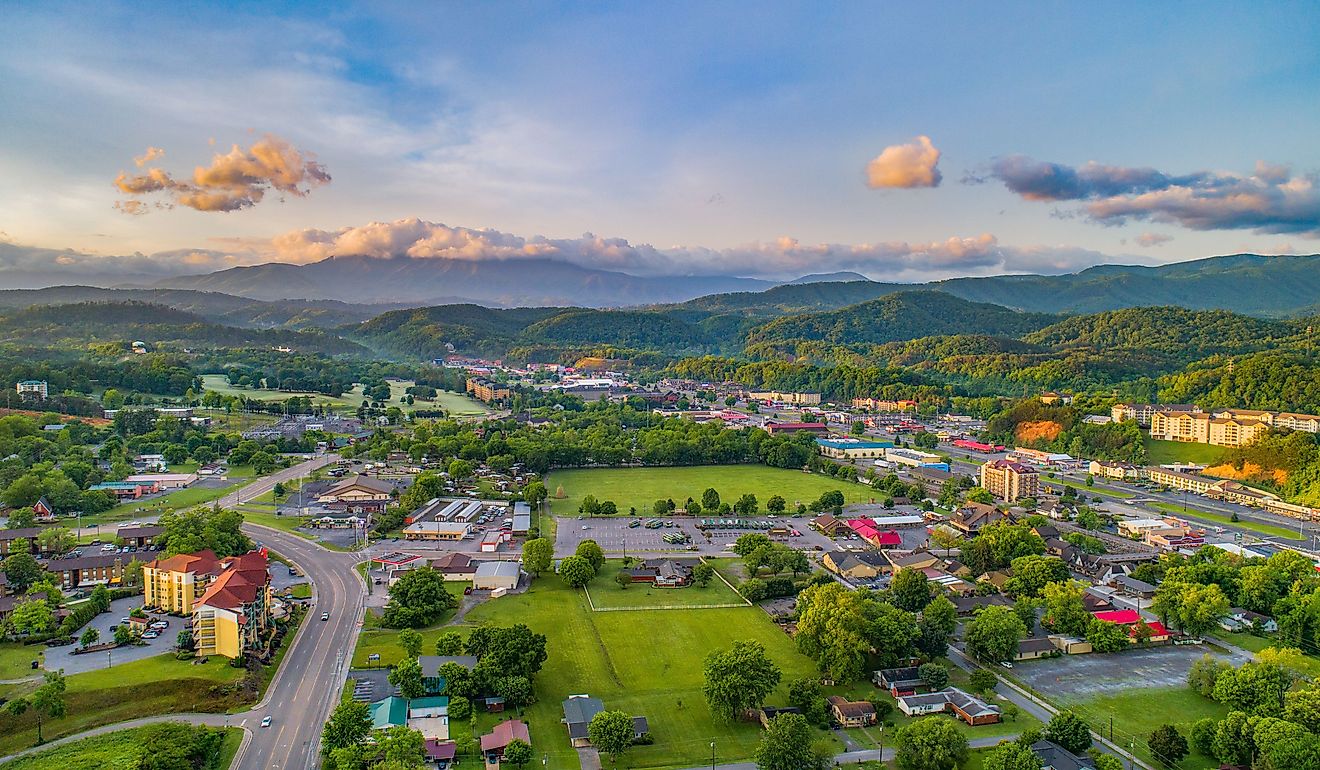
[[32, 387]]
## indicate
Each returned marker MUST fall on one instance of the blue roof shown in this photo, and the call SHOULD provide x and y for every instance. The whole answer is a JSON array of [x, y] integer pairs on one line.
[[388, 712], [836, 443]]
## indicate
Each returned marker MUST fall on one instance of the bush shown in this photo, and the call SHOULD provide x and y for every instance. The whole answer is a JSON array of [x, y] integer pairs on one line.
[[644, 739]]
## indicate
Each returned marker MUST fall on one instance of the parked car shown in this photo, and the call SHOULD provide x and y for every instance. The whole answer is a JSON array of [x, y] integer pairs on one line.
[[152, 634]]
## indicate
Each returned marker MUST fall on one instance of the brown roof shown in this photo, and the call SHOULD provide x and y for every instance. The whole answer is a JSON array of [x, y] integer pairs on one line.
[[453, 562], [366, 482], [850, 708], [199, 563], [240, 584]]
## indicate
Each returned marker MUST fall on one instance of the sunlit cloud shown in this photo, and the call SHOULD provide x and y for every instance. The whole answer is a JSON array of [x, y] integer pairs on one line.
[[1153, 239], [234, 181], [914, 164]]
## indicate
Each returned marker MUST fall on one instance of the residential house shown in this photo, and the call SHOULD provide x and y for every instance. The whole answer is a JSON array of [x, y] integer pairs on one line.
[[767, 713], [899, 681], [856, 565], [912, 560], [496, 575], [829, 526], [973, 517], [1133, 620], [1033, 648], [42, 511], [389, 712], [1055, 757], [970, 605], [1133, 587], [849, 713], [1010, 481], [440, 753], [504, 733], [431, 664], [429, 715], [231, 618], [663, 573], [578, 711], [454, 566], [965, 706], [1239, 619]]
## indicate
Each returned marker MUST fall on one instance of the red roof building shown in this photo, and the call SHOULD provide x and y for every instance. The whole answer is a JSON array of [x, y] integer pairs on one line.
[[504, 733]]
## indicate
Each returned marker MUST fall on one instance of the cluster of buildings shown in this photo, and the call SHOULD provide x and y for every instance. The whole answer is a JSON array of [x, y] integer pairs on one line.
[[788, 398], [1222, 427], [884, 404], [294, 426], [1185, 477], [488, 391], [228, 600]]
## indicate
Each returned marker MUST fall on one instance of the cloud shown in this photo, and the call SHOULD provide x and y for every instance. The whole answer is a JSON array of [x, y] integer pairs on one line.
[[234, 181], [1270, 200], [1153, 239], [914, 164]]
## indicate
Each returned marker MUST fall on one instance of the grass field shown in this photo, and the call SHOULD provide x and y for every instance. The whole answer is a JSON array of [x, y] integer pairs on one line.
[[455, 403], [1167, 452], [182, 498], [16, 660], [156, 685], [376, 639], [1091, 491], [112, 751], [1264, 529], [640, 487], [1137, 712], [606, 594]]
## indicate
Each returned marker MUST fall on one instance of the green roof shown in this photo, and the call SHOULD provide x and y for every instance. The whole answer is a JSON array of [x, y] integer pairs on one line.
[[389, 712], [430, 701]]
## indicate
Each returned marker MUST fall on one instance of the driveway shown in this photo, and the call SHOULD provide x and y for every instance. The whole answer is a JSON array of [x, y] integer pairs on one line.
[[63, 657]]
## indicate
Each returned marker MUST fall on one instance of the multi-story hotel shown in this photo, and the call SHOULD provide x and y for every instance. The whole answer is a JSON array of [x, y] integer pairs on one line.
[[1010, 481], [228, 599]]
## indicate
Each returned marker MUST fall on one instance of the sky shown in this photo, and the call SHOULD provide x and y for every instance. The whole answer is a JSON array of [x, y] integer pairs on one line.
[[902, 141]]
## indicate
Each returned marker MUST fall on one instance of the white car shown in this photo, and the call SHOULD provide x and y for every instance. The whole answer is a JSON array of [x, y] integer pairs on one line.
[[265, 722]]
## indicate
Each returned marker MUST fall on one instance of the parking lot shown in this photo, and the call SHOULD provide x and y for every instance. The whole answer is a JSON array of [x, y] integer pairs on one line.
[[63, 657], [1084, 676]]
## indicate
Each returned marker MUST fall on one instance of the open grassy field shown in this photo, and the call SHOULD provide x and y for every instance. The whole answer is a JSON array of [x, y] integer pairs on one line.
[[1264, 529], [156, 685], [1167, 452], [16, 660], [456, 403], [111, 751], [135, 509], [1137, 712], [376, 639], [640, 487], [1089, 491], [606, 594]]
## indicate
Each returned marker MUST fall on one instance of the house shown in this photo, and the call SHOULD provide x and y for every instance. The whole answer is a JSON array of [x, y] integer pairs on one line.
[[767, 713], [496, 575], [829, 526], [1133, 587], [663, 573], [1009, 480], [1031, 649], [359, 494], [454, 566], [578, 711], [431, 664], [913, 560], [232, 616], [1239, 619], [1133, 620], [389, 712], [429, 715], [849, 713], [973, 517], [1055, 757], [856, 565], [966, 707], [139, 537], [504, 733], [42, 510], [998, 578], [440, 753], [969, 605], [898, 681]]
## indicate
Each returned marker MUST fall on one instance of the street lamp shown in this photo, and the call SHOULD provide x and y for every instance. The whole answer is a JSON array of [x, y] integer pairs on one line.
[[712, 755]]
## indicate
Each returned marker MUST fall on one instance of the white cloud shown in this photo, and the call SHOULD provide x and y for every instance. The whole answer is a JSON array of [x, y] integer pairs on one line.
[[914, 164]]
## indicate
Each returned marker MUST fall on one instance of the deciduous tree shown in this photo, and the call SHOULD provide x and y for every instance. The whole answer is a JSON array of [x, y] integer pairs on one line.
[[739, 679]]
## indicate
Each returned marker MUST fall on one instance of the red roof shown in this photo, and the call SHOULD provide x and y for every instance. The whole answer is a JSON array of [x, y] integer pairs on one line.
[[1156, 629], [797, 425], [200, 563], [504, 734], [888, 538], [1121, 617], [240, 584]]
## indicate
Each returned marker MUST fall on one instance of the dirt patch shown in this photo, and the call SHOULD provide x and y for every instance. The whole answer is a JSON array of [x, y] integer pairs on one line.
[[1248, 472], [1040, 430], [99, 422]]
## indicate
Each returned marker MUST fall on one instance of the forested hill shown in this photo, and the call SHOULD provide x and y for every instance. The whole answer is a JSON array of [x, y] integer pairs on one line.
[[901, 316], [118, 324]]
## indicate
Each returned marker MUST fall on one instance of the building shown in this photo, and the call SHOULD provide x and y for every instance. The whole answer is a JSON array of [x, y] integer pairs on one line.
[[95, 569], [849, 713], [8, 537], [856, 565], [163, 481], [454, 566], [1055, 757], [175, 584], [899, 681], [522, 518], [431, 665], [1239, 619], [578, 711], [126, 490], [389, 712], [358, 494], [1132, 620], [914, 458], [777, 428], [663, 573], [972, 517], [437, 530], [1116, 470], [1050, 398], [867, 530], [504, 733], [32, 389], [1232, 428], [1010, 481], [232, 616], [496, 575], [966, 707], [783, 397], [1235, 432], [1179, 480], [1033, 648], [139, 537], [429, 715], [829, 526], [487, 391], [1143, 413], [852, 448], [884, 404]]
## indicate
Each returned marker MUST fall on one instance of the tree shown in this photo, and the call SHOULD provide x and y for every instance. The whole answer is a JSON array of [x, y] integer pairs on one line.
[[1201, 607], [89, 637], [22, 570], [746, 504], [517, 753], [993, 635], [776, 504], [56, 540], [184, 640], [982, 681], [576, 571], [402, 746], [461, 469], [1233, 742], [593, 553], [611, 732], [32, 616], [1205, 672], [411, 642], [516, 690], [1032, 573], [535, 493], [1168, 745], [1203, 736], [1303, 707], [1065, 608], [122, 635], [805, 696], [1012, 755], [1069, 731], [930, 744], [739, 679], [710, 500], [349, 725], [910, 590], [417, 599], [512, 651], [100, 598], [47, 702], [537, 555], [1107, 637], [450, 643], [786, 744], [460, 708], [197, 529], [747, 544], [407, 676], [622, 579], [278, 490], [702, 574], [933, 675], [938, 621], [1256, 688]]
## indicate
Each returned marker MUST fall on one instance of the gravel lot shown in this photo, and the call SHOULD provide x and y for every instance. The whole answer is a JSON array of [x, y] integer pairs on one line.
[[1084, 676]]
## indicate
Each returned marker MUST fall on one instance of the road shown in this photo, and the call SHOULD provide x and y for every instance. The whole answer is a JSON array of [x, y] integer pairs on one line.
[[308, 683], [865, 755]]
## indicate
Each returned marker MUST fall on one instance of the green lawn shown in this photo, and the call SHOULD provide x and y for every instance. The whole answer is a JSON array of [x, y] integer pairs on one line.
[[183, 498], [456, 403], [16, 660], [283, 523], [1264, 529], [377, 639], [605, 593], [1253, 643], [641, 487], [1169, 452], [112, 751], [1092, 491], [156, 685], [1137, 712]]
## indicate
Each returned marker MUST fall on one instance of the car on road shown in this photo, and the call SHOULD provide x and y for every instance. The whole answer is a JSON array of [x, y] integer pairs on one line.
[[325, 616], [265, 722]]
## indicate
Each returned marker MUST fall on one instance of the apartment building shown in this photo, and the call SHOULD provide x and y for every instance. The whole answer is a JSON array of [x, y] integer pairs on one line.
[[234, 613], [175, 584], [1010, 481], [782, 397], [32, 388], [487, 391], [1142, 414], [1234, 432], [884, 404]]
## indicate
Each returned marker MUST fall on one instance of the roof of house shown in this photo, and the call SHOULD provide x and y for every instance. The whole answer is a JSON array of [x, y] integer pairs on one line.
[[905, 674], [453, 562], [913, 559], [846, 560], [427, 702], [970, 603], [388, 712], [18, 534], [505, 733], [147, 531], [579, 709], [440, 751], [1121, 617], [1035, 645], [974, 514], [1055, 757], [431, 663], [1134, 584], [850, 708]]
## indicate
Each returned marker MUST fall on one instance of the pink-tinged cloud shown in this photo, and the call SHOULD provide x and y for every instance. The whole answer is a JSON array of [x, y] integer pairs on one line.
[[1153, 239], [1270, 200], [234, 181], [151, 154], [915, 164]]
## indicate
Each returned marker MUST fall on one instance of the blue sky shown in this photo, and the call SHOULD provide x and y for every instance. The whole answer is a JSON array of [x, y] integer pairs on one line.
[[730, 137]]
